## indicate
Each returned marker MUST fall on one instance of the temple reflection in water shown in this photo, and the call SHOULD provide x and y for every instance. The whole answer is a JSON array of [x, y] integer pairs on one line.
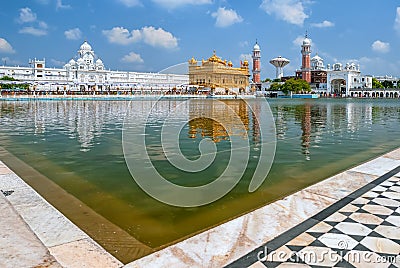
[[211, 118]]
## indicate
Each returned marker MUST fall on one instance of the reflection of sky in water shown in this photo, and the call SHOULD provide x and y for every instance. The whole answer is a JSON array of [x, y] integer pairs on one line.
[[86, 120], [314, 122]]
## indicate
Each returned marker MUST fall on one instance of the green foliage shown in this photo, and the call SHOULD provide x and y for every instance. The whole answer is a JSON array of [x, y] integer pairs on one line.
[[8, 78], [276, 80], [295, 86], [275, 87], [15, 87], [387, 84], [266, 80], [376, 83]]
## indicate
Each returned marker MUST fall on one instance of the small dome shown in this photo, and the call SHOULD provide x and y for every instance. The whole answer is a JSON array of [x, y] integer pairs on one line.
[[306, 42], [192, 61], [72, 62], [80, 61], [256, 47], [99, 62], [85, 46], [316, 58]]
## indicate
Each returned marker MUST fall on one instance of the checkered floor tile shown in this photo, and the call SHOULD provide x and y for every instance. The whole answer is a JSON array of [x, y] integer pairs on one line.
[[361, 230]]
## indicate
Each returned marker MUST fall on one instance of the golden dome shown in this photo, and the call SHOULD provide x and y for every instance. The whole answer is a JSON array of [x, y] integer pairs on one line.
[[215, 58], [245, 63], [192, 61], [230, 64]]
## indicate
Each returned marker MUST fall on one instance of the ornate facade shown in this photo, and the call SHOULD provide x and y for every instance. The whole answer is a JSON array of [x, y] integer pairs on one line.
[[219, 75], [86, 73], [337, 80], [343, 79]]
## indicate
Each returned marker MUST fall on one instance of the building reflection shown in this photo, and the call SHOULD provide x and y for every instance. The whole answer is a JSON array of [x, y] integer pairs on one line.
[[306, 129], [313, 124], [81, 120], [322, 121], [218, 119]]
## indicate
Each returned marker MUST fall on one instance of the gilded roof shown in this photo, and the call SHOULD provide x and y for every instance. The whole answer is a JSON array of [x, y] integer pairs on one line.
[[215, 58]]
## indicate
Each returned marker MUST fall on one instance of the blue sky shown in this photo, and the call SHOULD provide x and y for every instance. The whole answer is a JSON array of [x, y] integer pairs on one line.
[[139, 35]]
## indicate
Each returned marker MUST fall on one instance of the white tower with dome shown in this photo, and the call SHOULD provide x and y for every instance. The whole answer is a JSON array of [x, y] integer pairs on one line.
[[256, 64], [87, 70]]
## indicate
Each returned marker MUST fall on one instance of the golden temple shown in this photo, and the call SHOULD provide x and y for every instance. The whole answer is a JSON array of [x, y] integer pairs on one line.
[[218, 74]]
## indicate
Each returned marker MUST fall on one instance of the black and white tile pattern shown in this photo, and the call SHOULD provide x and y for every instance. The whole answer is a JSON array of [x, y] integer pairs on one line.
[[360, 230]]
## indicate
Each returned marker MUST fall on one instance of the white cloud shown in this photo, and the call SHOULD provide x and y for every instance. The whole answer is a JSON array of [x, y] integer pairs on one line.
[[73, 34], [33, 31], [171, 4], [60, 5], [26, 15], [324, 24], [122, 36], [8, 61], [397, 20], [43, 2], [42, 25], [159, 37], [379, 66], [130, 3], [148, 34], [243, 57], [380, 46], [244, 43], [57, 62], [132, 57], [5, 47], [291, 11], [226, 17]]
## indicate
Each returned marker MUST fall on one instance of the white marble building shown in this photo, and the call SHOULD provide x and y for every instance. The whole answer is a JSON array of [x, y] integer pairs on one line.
[[86, 73], [340, 80]]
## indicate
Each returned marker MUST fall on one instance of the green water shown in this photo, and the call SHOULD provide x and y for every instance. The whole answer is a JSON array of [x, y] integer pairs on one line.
[[77, 144]]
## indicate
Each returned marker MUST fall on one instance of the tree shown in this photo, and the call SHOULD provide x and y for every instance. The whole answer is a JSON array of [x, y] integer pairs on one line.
[[267, 80], [376, 83], [295, 86], [387, 84], [275, 87]]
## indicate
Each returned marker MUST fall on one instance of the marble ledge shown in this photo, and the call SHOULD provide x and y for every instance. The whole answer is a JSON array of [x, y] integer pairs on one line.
[[227, 242], [52, 227], [68, 244], [4, 169], [83, 253], [393, 154], [341, 185], [19, 247], [378, 166], [11, 182]]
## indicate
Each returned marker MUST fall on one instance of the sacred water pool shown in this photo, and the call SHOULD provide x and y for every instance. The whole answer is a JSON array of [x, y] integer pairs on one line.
[[78, 146]]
